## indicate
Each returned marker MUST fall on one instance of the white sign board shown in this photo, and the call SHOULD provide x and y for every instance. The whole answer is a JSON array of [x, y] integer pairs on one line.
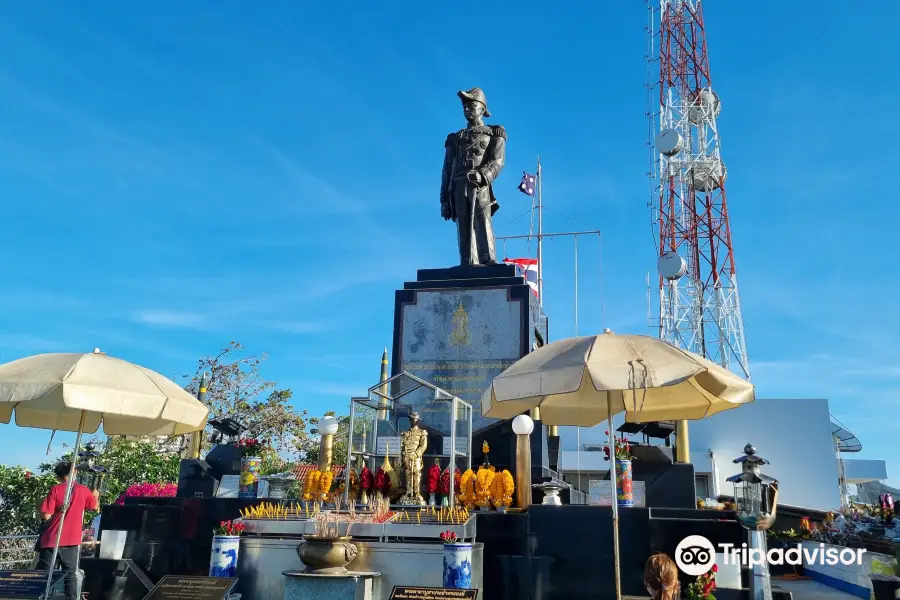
[[460, 446], [388, 445], [228, 486], [600, 492]]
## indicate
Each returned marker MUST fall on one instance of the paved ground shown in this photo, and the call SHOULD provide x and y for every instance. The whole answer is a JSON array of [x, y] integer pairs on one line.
[[812, 590]]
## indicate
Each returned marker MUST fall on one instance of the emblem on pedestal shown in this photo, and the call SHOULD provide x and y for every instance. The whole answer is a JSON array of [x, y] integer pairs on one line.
[[460, 336]]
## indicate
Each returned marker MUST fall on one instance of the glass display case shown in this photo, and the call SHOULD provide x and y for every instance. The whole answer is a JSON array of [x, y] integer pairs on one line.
[[379, 420]]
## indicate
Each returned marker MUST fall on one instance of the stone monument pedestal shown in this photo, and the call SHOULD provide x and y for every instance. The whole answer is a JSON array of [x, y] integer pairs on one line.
[[458, 328], [299, 585]]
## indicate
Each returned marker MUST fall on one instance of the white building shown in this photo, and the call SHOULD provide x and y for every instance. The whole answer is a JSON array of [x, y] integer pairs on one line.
[[797, 436]]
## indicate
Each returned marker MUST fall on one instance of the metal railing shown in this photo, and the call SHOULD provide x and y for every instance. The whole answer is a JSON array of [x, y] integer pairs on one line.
[[17, 551]]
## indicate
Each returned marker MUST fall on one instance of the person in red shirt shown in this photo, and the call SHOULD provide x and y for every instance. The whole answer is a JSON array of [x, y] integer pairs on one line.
[[82, 499]]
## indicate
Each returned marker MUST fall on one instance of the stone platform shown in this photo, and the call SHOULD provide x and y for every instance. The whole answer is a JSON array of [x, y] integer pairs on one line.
[[300, 585]]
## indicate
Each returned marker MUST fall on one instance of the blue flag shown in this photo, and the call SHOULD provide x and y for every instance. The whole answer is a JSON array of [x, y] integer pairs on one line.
[[527, 184]]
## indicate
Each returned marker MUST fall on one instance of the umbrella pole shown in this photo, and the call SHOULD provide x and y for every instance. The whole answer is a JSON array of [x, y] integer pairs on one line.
[[615, 496], [70, 483]]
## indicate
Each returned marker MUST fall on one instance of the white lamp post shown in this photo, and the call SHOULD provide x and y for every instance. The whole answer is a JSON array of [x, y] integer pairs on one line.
[[328, 426], [522, 426]]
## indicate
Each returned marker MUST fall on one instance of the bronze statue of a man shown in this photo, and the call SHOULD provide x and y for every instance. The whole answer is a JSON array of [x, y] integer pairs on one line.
[[473, 159], [413, 443]]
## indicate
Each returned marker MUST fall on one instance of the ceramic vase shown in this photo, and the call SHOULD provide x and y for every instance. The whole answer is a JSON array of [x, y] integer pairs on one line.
[[458, 566], [624, 483], [224, 555], [249, 481], [445, 500], [431, 500]]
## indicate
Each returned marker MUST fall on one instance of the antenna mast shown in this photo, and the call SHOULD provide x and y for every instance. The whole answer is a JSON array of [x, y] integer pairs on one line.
[[700, 309]]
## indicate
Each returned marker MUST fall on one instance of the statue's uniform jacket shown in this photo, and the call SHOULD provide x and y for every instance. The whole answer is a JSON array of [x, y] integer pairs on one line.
[[482, 149]]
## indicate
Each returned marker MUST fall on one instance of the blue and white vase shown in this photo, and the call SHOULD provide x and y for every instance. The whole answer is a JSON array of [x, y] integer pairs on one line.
[[458, 566], [224, 556]]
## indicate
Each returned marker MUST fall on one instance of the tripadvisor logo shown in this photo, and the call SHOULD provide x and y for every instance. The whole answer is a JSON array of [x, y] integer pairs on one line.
[[696, 555]]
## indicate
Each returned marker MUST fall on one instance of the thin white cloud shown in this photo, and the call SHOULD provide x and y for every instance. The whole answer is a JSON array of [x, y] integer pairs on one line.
[[170, 318]]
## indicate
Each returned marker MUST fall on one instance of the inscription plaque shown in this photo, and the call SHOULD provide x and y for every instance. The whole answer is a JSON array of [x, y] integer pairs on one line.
[[177, 587], [426, 593]]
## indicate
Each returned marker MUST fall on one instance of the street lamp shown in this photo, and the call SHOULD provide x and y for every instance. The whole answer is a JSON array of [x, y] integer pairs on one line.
[[756, 501], [522, 426], [328, 426], [87, 472]]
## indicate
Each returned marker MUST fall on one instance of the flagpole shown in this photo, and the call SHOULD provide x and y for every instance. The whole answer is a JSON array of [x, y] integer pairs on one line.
[[540, 235]]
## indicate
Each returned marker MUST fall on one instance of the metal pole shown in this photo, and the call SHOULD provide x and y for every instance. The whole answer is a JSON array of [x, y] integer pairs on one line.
[[70, 483], [546, 235], [349, 457], [760, 584], [576, 287], [540, 235], [615, 496], [452, 466]]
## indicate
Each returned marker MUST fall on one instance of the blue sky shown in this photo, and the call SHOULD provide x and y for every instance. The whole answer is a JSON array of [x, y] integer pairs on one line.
[[176, 177]]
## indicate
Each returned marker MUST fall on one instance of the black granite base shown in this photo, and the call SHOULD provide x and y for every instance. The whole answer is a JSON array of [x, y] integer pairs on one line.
[[566, 552]]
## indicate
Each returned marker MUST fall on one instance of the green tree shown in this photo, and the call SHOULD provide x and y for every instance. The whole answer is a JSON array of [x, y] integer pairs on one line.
[[238, 390], [21, 493]]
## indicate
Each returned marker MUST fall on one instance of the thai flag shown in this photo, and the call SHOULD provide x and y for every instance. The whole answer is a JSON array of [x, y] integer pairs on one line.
[[527, 268]]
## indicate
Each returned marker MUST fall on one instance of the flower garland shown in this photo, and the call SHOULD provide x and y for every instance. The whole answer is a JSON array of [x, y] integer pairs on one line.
[[483, 481], [466, 489], [366, 479], [152, 490], [434, 476], [383, 482], [311, 486], [325, 479], [444, 487], [502, 489]]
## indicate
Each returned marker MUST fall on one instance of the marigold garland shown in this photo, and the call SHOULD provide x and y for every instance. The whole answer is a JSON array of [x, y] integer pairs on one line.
[[502, 489], [311, 485], [467, 489], [325, 480], [434, 476], [483, 481]]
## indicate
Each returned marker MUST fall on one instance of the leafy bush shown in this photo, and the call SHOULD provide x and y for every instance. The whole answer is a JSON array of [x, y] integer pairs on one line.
[[21, 493]]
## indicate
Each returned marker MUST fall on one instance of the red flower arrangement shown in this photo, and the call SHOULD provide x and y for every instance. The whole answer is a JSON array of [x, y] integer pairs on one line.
[[623, 449], [366, 479], [382, 482], [444, 487], [434, 476], [702, 589], [250, 446], [448, 537], [229, 528]]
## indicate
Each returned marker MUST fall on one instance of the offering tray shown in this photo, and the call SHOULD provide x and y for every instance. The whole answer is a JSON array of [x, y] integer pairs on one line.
[[425, 523]]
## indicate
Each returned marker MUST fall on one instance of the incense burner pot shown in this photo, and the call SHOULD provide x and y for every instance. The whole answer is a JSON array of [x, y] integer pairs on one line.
[[326, 555]]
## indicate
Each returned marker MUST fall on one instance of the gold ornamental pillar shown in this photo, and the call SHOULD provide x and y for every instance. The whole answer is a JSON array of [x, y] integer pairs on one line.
[[554, 431], [328, 426], [522, 426], [535, 414], [682, 442], [382, 401], [196, 437]]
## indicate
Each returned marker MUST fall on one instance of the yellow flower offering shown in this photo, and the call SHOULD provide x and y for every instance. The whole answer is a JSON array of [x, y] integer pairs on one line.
[[483, 481], [484, 447]]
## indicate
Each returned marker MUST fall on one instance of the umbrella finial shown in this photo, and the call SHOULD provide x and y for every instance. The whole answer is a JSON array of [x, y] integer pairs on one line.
[[97, 351], [607, 330]]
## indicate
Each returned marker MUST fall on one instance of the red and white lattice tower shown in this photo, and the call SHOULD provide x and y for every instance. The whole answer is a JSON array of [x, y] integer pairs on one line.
[[699, 308]]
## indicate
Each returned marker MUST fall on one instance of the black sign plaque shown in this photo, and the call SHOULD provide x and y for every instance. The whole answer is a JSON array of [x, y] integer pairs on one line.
[[427, 593], [26, 584], [177, 587]]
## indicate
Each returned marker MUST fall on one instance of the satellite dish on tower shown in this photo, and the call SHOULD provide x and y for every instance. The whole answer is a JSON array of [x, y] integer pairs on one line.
[[705, 106], [669, 142], [671, 266]]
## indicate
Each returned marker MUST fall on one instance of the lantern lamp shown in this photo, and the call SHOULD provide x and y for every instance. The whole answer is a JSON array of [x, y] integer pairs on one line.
[[88, 473], [756, 501]]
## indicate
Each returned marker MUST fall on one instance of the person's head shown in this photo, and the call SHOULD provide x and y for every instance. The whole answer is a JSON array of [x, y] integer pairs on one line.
[[474, 105], [62, 469], [661, 577]]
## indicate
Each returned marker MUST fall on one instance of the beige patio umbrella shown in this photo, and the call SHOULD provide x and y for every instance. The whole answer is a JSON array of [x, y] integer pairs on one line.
[[584, 381], [81, 392]]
